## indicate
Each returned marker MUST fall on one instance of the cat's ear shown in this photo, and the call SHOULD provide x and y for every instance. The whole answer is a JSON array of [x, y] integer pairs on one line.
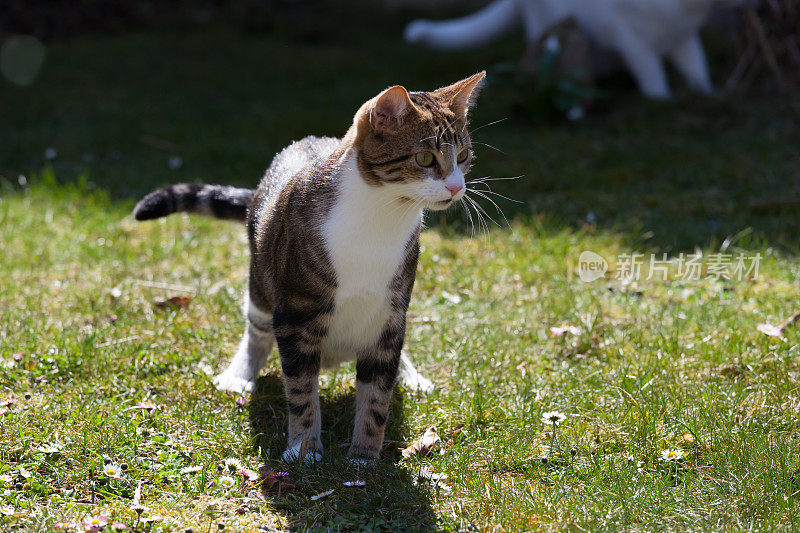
[[462, 94], [389, 110]]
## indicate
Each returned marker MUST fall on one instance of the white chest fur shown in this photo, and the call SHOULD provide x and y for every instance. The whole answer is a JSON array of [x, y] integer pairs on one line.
[[365, 235]]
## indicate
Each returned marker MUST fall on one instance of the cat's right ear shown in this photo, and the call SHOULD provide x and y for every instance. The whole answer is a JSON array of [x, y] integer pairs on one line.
[[389, 110]]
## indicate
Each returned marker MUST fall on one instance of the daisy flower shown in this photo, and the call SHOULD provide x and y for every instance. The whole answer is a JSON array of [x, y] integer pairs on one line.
[[226, 482], [118, 526], [49, 449], [6, 510], [233, 464], [112, 470], [147, 406], [558, 331], [95, 522], [670, 456], [769, 329], [65, 525], [250, 475], [138, 508], [553, 417]]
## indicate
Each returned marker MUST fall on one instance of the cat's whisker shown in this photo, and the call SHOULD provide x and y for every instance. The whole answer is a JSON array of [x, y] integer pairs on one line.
[[472, 132], [489, 178], [471, 223], [489, 145], [485, 213], [481, 219], [497, 207], [496, 194]]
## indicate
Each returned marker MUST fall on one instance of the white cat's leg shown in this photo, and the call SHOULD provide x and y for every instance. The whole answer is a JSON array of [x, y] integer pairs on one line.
[[410, 378], [690, 59], [644, 64], [250, 357]]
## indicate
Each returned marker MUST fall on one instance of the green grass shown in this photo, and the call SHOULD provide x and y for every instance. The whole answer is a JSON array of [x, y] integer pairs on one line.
[[657, 365]]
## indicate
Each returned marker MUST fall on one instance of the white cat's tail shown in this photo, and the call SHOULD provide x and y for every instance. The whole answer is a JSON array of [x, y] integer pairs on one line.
[[472, 30]]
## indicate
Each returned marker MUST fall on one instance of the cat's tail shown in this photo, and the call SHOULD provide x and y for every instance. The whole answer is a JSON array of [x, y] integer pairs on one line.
[[473, 30], [218, 201]]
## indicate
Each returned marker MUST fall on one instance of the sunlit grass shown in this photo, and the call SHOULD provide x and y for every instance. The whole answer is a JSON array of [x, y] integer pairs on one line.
[[668, 366]]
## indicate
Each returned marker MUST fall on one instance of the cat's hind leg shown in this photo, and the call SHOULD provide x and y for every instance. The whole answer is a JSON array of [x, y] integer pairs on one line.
[[250, 357], [644, 64], [690, 59]]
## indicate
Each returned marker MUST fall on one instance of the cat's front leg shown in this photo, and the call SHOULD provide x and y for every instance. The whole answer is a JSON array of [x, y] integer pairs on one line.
[[376, 372], [299, 342]]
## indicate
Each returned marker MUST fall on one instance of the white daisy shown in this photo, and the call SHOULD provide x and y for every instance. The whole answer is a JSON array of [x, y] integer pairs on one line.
[[250, 475], [112, 470], [226, 482], [553, 417], [234, 465], [670, 456], [49, 449]]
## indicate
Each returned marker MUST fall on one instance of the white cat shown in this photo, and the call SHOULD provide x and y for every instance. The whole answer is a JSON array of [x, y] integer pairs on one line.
[[643, 32]]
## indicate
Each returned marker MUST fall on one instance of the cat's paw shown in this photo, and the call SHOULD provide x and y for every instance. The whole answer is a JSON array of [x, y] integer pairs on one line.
[[293, 454], [416, 382], [363, 454], [233, 383]]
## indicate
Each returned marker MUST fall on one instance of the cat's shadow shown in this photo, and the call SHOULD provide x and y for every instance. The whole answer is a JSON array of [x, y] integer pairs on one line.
[[391, 498]]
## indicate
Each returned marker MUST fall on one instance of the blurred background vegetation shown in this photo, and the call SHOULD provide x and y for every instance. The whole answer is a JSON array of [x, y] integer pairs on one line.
[[133, 95]]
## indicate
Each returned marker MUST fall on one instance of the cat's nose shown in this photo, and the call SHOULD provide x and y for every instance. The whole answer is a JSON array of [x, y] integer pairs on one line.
[[454, 189]]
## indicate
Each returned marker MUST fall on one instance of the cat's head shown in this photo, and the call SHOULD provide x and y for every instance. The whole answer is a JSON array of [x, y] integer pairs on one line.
[[415, 145]]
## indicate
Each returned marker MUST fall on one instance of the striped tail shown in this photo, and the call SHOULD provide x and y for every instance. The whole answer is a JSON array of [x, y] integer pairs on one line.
[[218, 201]]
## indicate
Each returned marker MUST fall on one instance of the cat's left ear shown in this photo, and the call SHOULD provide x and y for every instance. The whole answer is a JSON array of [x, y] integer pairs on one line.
[[462, 94], [389, 110]]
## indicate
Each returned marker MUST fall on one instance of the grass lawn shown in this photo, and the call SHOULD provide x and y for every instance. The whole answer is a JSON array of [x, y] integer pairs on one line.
[[653, 366]]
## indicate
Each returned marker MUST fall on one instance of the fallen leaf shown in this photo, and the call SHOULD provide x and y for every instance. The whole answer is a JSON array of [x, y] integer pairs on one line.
[[687, 437], [423, 446], [322, 495], [175, 302]]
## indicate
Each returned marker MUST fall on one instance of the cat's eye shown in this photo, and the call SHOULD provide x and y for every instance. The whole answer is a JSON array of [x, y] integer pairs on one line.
[[425, 159], [462, 155]]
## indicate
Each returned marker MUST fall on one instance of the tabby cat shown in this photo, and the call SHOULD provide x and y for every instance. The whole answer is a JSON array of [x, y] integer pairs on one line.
[[334, 239]]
